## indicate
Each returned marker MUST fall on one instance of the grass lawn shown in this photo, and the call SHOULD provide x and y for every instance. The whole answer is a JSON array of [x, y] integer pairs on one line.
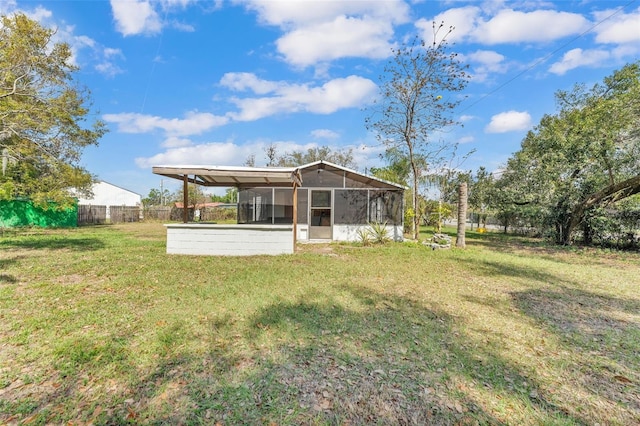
[[99, 326]]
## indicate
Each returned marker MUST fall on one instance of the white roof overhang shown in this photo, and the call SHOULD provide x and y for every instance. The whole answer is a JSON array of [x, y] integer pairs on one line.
[[226, 176]]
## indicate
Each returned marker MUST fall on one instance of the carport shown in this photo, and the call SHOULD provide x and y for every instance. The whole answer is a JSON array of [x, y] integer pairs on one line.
[[232, 239]]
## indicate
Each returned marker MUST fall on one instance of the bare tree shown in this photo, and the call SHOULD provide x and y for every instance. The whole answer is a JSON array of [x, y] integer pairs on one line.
[[418, 97]]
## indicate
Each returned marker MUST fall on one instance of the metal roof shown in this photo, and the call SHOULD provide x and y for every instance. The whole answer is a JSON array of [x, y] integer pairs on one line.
[[227, 176], [232, 176]]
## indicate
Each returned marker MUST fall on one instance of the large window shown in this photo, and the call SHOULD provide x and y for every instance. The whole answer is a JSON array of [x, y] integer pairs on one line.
[[283, 205], [385, 206], [255, 205], [270, 205], [303, 205], [350, 207]]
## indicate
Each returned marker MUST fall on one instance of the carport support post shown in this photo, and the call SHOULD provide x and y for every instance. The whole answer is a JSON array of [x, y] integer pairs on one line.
[[185, 198], [295, 215]]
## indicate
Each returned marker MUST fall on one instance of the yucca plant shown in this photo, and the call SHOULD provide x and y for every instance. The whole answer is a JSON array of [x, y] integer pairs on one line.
[[364, 236], [379, 232]]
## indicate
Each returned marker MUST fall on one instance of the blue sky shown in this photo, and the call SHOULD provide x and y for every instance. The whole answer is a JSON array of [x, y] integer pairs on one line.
[[202, 82]]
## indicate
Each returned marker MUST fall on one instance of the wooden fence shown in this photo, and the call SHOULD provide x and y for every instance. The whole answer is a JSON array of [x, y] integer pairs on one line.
[[96, 215], [122, 214], [157, 213], [92, 215]]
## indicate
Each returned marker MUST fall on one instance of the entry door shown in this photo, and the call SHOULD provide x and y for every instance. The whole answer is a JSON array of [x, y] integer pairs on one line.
[[320, 215]]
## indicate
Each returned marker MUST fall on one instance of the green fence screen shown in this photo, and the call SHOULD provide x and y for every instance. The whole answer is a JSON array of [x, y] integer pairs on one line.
[[15, 213]]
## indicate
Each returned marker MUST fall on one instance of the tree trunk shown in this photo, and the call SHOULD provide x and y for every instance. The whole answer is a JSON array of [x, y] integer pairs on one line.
[[462, 215], [415, 225], [610, 194]]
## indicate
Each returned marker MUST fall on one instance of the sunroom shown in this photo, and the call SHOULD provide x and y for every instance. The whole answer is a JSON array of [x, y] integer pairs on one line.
[[279, 206]]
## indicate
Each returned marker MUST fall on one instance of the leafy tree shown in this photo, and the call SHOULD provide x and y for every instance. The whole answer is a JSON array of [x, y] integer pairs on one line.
[[417, 101], [341, 157], [397, 170], [231, 196], [42, 116], [479, 193], [195, 194], [435, 212], [157, 197], [585, 157]]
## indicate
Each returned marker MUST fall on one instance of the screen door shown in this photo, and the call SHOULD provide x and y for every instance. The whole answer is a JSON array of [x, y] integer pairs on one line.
[[320, 215]]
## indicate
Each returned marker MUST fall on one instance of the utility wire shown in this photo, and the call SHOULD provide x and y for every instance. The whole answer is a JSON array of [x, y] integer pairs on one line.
[[153, 66], [546, 57]]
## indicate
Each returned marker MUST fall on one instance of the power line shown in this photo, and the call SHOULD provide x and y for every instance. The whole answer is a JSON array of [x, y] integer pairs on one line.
[[546, 57], [153, 66]]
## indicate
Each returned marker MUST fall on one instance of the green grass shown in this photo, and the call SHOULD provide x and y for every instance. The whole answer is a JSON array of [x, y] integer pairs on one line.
[[98, 325]]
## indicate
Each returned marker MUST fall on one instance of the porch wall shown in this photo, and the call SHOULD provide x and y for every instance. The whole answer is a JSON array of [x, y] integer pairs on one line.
[[229, 240], [350, 232]]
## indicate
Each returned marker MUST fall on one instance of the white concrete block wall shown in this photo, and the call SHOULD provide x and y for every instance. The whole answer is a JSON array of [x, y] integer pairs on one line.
[[229, 240], [350, 232]]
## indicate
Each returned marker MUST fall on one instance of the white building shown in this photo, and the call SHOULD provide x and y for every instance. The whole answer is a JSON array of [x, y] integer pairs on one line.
[[106, 194]]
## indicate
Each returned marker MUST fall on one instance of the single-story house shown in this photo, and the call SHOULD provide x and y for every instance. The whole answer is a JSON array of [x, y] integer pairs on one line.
[[319, 201]]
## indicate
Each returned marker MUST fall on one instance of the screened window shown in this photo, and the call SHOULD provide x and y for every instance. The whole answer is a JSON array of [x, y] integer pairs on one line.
[[303, 205], [255, 205], [283, 205], [385, 206], [350, 207]]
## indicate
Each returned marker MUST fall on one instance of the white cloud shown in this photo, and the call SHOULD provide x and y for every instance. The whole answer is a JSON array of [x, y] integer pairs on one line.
[[510, 26], [8, 6], [576, 58], [241, 81], [319, 31], [135, 17], [40, 14], [489, 59], [466, 139], [108, 69], [341, 38], [176, 142], [325, 134], [485, 63], [509, 121], [102, 59], [619, 29], [194, 123], [464, 19], [507, 26], [349, 92], [215, 153], [230, 153], [290, 14], [219, 153], [108, 66]]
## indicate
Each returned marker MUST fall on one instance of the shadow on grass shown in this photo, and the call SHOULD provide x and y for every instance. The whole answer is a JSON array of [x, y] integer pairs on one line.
[[525, 273], [6, 278], [5, 263], [392, 361], [383, 360], [602, 330], [53, 242]]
